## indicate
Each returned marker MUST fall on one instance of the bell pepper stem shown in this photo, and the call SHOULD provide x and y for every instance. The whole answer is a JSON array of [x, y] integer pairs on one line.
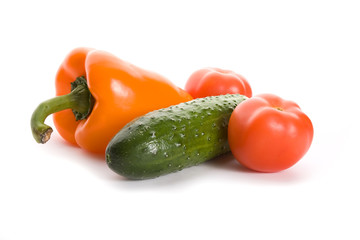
[[79, 100]]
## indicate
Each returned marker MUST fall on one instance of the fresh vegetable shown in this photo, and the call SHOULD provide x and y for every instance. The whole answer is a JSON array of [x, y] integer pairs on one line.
[[104, 93], [269, 134], [170, 139], [215, 81]]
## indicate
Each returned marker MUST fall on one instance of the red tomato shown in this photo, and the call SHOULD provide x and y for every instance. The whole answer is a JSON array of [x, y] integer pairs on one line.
[[214, 81], [269, 134]]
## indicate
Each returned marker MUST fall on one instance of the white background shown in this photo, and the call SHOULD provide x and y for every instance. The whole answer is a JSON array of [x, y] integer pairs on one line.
[[305, 51]]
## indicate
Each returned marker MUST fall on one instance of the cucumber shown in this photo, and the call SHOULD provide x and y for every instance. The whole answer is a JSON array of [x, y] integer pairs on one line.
[[173, 138]]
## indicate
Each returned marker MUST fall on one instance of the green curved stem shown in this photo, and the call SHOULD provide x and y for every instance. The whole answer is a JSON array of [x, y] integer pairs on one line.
[[79, 100]]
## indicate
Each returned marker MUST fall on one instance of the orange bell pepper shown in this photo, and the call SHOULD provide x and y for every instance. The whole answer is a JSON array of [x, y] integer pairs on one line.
[[97, 94]]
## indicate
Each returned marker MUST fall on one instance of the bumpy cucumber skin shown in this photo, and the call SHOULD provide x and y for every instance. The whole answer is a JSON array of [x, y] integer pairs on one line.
[[173, 138]]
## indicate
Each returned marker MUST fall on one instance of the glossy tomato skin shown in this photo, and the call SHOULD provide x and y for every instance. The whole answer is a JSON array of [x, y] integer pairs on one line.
[[269, 134], [215, 81]]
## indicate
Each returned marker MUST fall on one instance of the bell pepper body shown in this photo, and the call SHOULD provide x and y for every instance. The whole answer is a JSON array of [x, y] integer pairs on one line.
[[121, 92]]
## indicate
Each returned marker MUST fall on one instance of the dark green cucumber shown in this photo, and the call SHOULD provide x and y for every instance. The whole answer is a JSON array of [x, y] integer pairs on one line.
[[173, 138]]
